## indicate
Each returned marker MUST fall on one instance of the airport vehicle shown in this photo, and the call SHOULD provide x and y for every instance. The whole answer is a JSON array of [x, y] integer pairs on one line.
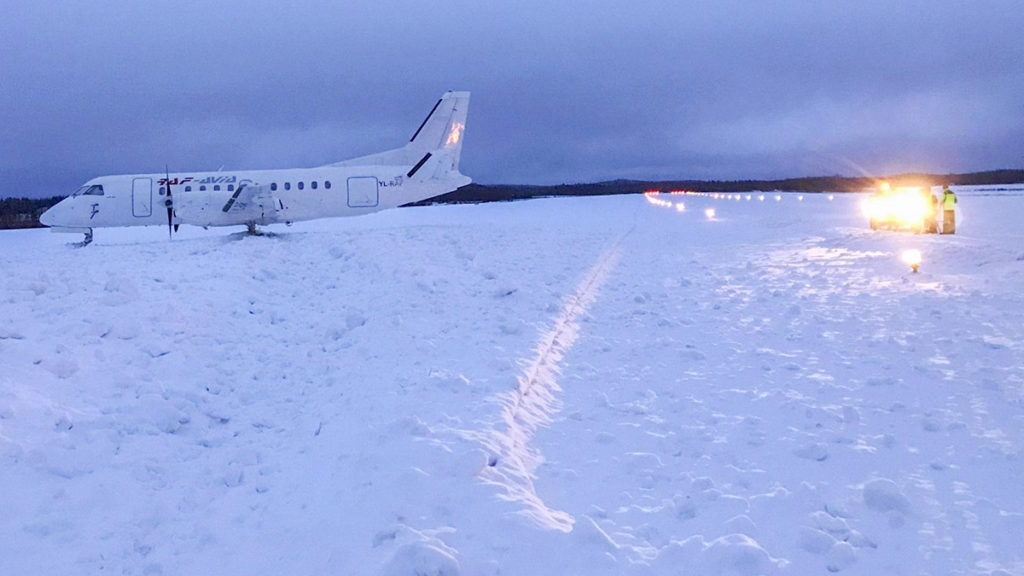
[[899, 208], [427, 166]]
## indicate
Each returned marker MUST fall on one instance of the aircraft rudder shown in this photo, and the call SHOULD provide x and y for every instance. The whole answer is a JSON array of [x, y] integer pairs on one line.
[[444, 125]]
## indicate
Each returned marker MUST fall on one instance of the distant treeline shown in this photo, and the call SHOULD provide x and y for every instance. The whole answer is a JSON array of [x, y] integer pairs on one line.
[[500, 192], [24, 212]]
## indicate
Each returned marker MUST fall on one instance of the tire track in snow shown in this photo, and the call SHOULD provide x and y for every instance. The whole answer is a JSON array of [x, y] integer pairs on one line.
[[532, 404]]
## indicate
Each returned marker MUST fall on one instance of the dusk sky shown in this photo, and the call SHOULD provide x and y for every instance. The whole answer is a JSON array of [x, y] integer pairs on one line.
[[570, 91]]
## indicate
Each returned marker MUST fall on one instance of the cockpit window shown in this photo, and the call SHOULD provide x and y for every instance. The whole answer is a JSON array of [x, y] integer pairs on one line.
[[87, 190]]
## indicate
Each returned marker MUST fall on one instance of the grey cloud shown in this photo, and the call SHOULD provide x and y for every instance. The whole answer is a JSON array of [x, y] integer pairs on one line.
[[563, 92]]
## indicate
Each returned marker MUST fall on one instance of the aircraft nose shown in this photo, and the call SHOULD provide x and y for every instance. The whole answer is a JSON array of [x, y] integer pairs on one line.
[[52, 215], [46, 218]]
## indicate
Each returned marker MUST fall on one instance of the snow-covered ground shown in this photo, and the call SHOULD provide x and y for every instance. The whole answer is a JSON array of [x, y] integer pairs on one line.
[[558, 386]]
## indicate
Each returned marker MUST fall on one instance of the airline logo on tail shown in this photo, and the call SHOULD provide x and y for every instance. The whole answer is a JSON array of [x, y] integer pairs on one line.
[[454, 135]]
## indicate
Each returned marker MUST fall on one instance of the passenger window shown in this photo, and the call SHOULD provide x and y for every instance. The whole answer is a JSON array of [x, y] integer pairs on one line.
[[161, 191], [313, 184], [300, 185], [327, 184], [216, 186], [287, 185], [273, 185], [188, 188], [201, 188], [231, 187]]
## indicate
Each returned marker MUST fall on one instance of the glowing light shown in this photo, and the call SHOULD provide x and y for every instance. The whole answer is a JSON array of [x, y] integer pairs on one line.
[[902, 208], [831, 197], [912, 258], [867, 207], [680, 207], [748, 196], [778, 198], [800, 198], [710, 213], [761, 197]]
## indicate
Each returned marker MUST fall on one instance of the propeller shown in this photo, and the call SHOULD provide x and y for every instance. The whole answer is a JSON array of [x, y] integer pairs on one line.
[[169, 202]]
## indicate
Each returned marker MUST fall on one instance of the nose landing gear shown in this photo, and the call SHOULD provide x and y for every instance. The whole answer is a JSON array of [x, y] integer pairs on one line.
[[85, 242], [65, 230]]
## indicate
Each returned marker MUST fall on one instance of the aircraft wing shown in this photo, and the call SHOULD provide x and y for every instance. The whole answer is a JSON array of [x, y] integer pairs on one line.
[[252, 203]]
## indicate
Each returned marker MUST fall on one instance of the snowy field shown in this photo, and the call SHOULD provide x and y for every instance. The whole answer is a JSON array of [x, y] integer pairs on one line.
[[548, 387]]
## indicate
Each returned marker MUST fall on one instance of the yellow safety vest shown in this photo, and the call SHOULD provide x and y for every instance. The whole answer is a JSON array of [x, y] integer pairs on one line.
[[948, 200]]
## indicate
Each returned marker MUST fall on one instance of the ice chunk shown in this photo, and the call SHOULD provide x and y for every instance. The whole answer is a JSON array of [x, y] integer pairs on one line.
[[884, 495], [738, 554], [816, 451], [7, 333], [815, 541], [841, 556], [62, 368], [422, 558]]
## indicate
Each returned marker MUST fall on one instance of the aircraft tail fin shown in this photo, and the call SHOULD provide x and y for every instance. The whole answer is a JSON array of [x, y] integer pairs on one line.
[[435, 148]]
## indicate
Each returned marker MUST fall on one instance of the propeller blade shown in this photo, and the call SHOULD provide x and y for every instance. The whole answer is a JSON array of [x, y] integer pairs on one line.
[[170, 204]]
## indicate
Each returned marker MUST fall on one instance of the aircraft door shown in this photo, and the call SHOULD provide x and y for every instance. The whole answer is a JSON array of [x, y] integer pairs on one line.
[[142, 197], [362, 192]]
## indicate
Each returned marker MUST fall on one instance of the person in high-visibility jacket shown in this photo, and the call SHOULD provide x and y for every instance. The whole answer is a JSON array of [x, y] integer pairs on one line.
[[948, 210]]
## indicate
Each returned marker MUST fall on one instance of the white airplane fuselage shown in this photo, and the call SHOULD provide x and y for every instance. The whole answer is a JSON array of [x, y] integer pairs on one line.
[[198, 197], [424, 168]]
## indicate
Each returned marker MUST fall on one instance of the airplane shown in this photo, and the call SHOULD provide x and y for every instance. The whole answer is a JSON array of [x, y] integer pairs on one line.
[[427, 166]]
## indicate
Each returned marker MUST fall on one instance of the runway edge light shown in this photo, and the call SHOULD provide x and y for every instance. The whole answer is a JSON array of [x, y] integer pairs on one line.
[[912, 258]]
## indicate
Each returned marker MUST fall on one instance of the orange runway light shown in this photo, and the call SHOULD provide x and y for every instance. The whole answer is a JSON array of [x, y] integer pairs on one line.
[[652, 197]]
